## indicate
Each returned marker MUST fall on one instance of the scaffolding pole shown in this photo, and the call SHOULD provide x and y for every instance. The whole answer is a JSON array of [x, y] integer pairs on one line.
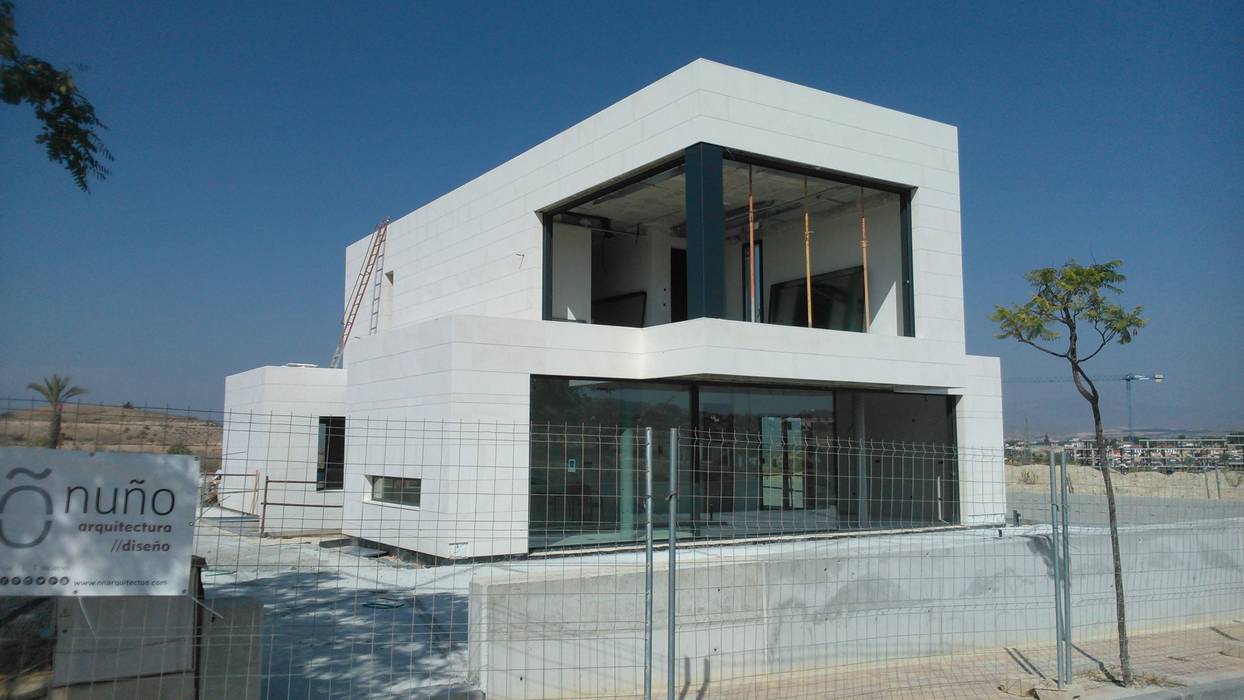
[[807, 250], [864, 257], [751, 247]]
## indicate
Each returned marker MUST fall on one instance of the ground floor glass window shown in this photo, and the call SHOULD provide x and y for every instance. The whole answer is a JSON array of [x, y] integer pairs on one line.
[[753, 461]]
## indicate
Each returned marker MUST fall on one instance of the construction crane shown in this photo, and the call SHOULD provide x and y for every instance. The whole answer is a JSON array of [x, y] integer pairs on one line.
[[372, 263], [1156, 378]]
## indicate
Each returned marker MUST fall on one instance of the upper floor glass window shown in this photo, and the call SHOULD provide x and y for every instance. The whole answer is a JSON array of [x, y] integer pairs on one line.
[[615, 255], [775, 243], [811, 251]]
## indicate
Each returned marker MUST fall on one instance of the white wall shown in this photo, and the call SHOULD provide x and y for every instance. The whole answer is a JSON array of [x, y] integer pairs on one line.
[[979, 427], [572, 273], [271, 432]]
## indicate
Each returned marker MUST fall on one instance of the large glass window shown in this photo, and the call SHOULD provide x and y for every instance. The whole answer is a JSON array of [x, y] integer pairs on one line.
[[833, 251], [899, 465], [587, 456], [741, 237], [752, 460], [765, 461]]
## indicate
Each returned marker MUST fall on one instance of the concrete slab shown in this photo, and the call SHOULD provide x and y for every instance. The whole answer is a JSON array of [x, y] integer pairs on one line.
[[231, 652], [102, 639]]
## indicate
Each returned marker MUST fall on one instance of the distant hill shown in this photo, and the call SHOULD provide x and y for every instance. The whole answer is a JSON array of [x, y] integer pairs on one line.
[[93, 428]]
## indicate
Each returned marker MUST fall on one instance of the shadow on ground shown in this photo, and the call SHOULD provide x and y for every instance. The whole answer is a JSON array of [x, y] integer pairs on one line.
[[324, 638]]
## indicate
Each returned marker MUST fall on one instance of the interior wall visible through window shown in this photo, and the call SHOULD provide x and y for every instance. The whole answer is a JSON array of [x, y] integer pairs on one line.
[[612, 255]]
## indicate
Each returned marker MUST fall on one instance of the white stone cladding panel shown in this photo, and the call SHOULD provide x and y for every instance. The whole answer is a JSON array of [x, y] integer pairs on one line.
[[982, 483]]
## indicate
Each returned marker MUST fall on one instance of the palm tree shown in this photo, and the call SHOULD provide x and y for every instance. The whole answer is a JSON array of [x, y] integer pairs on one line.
[[57, 391]]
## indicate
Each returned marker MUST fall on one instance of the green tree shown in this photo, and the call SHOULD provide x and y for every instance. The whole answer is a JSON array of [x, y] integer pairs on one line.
[[57, 391], [1074, 303], [70, 126]]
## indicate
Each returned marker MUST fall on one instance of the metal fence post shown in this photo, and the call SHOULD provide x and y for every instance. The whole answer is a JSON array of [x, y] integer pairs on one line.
[[648, 564], [1066, 569], [1054, 546], [670, 654], [263, 515]]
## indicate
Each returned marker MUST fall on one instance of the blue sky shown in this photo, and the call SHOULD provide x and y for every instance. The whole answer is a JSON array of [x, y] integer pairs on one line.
[[253, 141]]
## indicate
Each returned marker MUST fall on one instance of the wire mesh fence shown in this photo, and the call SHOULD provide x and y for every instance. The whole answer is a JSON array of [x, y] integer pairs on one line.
[[366, 556]]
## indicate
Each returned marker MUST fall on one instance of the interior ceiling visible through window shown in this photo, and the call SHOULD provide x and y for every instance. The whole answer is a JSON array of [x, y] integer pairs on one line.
[[779, 196], [659, 201]]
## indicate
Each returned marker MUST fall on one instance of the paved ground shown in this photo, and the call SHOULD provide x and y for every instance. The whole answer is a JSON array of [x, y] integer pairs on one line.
[[1171, 659], [1133, 510]]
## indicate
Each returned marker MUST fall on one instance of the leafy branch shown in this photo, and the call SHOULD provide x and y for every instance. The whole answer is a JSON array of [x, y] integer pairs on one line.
[[70, 125]]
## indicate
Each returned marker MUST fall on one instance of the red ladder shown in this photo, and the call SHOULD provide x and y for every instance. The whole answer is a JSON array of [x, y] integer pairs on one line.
[[374, 252]]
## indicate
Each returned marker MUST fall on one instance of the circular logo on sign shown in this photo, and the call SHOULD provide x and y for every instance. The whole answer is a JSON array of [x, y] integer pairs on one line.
[[38, 493]]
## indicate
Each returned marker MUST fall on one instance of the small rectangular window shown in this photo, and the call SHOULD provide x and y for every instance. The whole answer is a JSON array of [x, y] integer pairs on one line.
[[331, 462], [392, 489]]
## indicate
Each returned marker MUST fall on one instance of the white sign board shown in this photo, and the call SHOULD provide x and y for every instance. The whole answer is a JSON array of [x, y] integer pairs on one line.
[[95, 524]]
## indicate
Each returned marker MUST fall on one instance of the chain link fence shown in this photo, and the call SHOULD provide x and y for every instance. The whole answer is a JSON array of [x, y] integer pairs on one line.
[[378, 557]]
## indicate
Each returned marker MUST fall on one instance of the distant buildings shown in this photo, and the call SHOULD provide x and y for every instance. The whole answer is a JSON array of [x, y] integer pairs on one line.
[[1150, 453]]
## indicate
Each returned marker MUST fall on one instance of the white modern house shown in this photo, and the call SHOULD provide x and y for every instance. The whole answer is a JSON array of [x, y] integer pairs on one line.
[[721, 252]]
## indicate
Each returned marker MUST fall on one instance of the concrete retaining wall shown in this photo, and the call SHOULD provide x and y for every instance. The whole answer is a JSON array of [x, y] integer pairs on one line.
[[830, 603]]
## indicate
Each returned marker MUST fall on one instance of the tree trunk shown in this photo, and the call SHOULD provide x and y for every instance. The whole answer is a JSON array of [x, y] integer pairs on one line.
[[1125, 659], [54, 428]]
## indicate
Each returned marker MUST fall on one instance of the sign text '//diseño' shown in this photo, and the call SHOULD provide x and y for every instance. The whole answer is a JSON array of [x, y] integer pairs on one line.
[[95, 524]]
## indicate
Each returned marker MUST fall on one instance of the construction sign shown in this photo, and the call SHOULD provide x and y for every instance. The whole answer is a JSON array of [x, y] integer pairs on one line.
[[95, 524]]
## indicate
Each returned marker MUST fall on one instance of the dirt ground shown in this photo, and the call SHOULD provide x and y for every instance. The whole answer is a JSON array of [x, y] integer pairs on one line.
[[1212, 484], [115, 429]]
